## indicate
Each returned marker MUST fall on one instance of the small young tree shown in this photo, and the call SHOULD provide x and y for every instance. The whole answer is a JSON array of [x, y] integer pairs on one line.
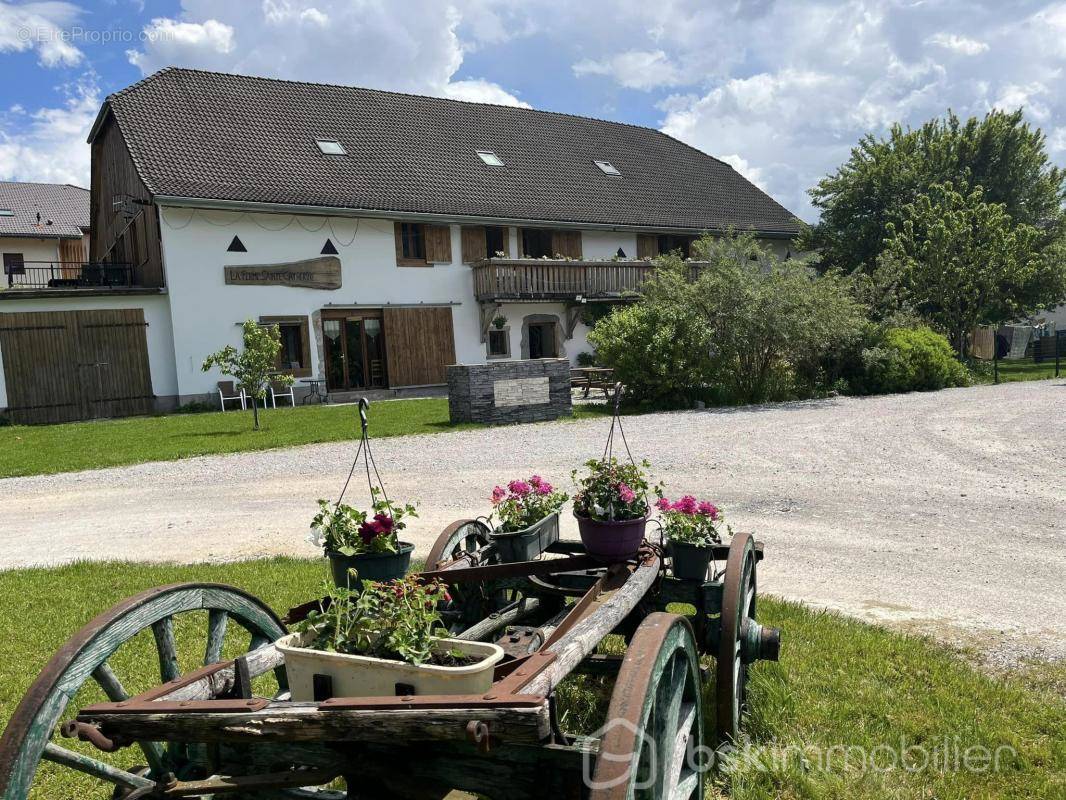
[[253, 367]]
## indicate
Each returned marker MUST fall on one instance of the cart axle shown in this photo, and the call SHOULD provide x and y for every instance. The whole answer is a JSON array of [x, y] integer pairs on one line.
[[759, 642]]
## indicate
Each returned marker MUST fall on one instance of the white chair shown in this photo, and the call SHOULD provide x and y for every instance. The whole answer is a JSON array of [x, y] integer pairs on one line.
[[278, 389], [227, 392]]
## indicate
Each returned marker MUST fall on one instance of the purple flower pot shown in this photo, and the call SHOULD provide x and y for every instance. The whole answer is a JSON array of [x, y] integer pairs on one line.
[[611, 541]]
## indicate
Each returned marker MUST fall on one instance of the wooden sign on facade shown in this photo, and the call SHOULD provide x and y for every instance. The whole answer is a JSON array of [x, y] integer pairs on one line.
[[312, 273]]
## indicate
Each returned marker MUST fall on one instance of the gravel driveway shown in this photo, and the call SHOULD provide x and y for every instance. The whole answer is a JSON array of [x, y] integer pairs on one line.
[[945, 511]]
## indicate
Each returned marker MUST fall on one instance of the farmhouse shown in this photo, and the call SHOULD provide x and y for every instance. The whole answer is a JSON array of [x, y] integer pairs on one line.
[[386, 235], [43, 230]]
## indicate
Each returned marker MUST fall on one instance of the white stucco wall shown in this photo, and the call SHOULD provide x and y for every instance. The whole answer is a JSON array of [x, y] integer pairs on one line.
[[31, 249], [156, 314]]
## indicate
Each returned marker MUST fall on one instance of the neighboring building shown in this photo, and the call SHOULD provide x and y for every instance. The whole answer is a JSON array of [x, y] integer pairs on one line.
[[43, 231], [383, 233]]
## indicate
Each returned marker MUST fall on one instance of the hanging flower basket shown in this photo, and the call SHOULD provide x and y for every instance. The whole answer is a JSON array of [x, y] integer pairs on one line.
[[528, 514], [611, 541], [363, 545]]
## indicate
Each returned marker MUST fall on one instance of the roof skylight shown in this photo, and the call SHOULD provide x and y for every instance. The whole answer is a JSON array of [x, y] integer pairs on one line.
[[608, 168], [331, 147], [490, 158], [6, 212]]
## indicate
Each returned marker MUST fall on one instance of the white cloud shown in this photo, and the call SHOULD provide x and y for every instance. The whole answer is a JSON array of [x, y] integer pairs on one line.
[[963, 45], [482, 91], [51, 148], [1012, 97], [634, 69], [40, 26], [359, 42]]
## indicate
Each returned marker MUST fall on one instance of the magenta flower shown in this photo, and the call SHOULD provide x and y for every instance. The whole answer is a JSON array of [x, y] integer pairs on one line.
[[519, 488], [662, 504], [543, 487], [536, 481], [498, 493], [625, 493], [686, 505], [708, 509]]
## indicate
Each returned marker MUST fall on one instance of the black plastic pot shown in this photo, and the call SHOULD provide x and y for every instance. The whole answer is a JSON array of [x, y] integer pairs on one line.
[[690, 561], [370, 566]]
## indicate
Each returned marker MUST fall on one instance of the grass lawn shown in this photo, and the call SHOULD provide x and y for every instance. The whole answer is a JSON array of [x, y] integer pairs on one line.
[[1027, 371], [840, 683], [45, 449]]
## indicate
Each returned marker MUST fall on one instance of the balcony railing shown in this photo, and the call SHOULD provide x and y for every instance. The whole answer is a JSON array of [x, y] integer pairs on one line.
[[67, 275], [543, 279]]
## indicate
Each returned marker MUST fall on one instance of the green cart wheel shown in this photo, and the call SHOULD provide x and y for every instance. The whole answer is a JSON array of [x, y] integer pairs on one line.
[[27, 740], [738, 616], [652, 742]]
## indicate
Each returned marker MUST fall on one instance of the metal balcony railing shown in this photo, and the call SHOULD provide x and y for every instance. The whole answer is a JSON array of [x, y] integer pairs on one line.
[[67, 275]]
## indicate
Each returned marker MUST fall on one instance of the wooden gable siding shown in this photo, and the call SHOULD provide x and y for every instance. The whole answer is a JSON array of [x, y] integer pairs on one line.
[[115, 237]]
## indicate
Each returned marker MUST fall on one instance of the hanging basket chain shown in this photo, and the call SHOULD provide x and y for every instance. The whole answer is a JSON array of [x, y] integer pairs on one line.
[[616, 422], [365, 451]]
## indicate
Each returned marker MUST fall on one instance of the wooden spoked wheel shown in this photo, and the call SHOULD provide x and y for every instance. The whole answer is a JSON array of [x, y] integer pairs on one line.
[[89, 655], [462, 536], [738, 615], [652, 742], [469, 603]]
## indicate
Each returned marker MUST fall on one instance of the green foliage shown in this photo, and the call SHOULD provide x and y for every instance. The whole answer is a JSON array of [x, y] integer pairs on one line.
[[1000, 153], [586, 358], [339, 528], [960, 261], [691, 521], [612, 491], [660, 351], [749, 328], [912, 359], [196, 407], [253, 367], [396, 620]]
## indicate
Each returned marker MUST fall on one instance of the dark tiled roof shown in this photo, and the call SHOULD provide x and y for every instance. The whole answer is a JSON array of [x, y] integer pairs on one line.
[[229, 137], [67, 206]]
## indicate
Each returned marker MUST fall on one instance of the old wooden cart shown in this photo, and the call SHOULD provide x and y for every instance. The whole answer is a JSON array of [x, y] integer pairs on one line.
[[206, 733]]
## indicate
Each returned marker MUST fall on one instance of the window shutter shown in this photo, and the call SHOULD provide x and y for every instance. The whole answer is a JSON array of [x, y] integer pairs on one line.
[[399, 242], [647, 245], [474, 248], [567, 243], [438, 243]]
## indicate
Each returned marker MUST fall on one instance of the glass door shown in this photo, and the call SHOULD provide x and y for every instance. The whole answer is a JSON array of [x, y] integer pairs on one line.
[[355, 351]]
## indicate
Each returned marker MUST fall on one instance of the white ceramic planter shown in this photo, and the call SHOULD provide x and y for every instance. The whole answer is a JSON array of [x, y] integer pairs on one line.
[[363, 676]]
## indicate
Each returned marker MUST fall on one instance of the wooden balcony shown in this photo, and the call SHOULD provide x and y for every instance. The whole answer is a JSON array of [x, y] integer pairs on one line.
[[543, 279]]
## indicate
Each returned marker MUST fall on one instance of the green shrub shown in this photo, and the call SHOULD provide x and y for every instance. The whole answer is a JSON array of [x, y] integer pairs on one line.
[[659, 352], [196, 407], [912, 359], [586, 359]]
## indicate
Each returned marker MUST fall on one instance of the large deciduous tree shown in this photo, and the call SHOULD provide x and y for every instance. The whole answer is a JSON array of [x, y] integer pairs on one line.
[[960, 261], [999, 153]]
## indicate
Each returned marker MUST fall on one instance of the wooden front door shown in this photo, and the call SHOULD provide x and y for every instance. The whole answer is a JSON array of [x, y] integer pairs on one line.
[[355, 350], [66, 365], [421, 345]]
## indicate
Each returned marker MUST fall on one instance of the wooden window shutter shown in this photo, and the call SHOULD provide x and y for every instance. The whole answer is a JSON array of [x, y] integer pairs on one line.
[[399, 242], [647, 245], [567, 243], [474, 248], [438, 243]]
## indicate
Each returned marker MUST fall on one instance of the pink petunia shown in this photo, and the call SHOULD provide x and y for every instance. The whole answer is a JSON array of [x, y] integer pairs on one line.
[[663, 504], [686, 505], [498, 493], [708, 509], [536, 481], [519, 488], [384, 522], [625, 493]]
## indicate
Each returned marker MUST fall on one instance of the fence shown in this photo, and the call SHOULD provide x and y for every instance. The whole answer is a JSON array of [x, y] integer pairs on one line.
[[67, 275], [1046, 348]]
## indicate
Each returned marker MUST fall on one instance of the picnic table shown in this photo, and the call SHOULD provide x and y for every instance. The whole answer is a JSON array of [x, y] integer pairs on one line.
[[588, 378]]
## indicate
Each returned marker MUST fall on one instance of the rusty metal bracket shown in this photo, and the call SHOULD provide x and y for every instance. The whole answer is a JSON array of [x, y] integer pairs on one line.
[[132, 706]]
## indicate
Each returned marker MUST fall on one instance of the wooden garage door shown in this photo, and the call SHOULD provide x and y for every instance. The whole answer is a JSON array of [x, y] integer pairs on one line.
[[66, 365], [419, 343]]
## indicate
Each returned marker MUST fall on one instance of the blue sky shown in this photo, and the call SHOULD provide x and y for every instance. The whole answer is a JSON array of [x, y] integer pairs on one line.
[[780, 90]]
